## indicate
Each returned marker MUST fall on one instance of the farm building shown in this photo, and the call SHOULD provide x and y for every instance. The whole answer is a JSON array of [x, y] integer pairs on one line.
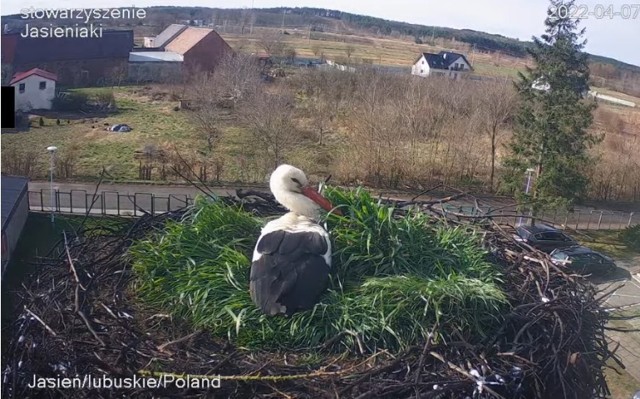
[[445, 63], [167, 35], [15, 209], [202, 48], [176, 50], [76, 61], [35, 89], [156, 66]]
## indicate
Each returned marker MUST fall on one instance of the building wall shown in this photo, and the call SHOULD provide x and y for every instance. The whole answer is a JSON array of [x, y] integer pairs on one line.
[[33, 97], [420, 68], [458, 68], [11, 234], [78, 73], [206, 54], [161, 72]]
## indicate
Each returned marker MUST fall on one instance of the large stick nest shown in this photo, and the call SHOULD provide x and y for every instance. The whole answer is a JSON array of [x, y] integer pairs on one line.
[[77, 316]]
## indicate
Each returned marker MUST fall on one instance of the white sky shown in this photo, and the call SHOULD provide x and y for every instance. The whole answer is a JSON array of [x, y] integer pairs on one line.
[[616, 37]]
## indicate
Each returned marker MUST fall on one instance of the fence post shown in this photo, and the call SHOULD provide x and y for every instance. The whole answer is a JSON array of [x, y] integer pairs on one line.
[[589, 219], [118, 203], [71, 201], [611, 220], [41, 201], [153, 201], [577, 220], [169, 203], [599, 220], [630, 217], [135, 204]]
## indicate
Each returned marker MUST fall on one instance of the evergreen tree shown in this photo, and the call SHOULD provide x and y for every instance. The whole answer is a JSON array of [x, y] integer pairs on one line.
[[551, 123]]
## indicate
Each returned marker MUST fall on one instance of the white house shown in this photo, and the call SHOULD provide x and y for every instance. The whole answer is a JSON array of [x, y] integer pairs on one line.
[[445, 63], [35, 89]]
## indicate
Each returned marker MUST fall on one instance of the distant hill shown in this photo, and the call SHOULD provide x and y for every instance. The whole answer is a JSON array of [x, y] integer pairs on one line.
[[323, 19]]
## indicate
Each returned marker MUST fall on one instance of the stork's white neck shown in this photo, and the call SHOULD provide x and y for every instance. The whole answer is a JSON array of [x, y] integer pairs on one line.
[[298, 203]]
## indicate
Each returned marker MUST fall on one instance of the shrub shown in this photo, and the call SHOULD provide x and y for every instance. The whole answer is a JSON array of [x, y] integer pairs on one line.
[[393, 280], [70, 101], [631, 237]]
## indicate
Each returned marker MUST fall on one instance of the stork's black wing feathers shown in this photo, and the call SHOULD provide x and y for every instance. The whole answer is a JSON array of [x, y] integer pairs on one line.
[[291, 272]]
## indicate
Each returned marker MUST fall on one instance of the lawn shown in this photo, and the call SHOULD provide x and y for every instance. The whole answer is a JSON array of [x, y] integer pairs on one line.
[[154, 122], [607, 242]]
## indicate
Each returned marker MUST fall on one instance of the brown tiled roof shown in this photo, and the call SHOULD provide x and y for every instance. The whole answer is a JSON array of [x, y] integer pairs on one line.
[[169, 33], [187, 39]]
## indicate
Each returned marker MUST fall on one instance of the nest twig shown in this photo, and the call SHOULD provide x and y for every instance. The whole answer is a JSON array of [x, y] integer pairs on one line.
[[78, 317]]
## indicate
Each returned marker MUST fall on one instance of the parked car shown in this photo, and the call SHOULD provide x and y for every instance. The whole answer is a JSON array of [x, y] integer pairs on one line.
[[583, 260], [543, 237]]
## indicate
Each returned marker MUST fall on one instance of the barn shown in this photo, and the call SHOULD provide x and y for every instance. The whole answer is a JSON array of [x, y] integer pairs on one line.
[[15, 209]]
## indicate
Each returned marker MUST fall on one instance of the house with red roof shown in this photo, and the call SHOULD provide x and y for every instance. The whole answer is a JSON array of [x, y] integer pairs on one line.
[[35, 89]]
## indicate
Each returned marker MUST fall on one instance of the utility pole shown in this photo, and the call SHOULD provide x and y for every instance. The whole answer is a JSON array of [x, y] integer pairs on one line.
[[309, 35], [52, 152], [283, 11]]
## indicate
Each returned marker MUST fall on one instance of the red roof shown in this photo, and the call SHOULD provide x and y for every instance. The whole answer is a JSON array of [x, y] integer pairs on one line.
[[35, 71]]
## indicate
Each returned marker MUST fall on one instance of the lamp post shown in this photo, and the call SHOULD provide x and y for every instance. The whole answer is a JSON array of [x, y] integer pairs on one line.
[[52, 152], [529, 172]]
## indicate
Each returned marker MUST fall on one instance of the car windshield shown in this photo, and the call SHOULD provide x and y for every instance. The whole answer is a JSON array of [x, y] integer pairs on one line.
[[559, 256], [552, 236]]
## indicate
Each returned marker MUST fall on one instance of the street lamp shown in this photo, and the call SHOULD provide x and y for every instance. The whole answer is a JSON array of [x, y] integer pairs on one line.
[[529, 172], [52, 151]]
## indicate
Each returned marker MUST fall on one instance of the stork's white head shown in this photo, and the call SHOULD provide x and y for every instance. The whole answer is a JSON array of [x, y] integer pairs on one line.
[[291, 188]]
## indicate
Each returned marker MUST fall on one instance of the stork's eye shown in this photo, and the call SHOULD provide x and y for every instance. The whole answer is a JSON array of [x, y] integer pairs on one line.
[[296, 181]]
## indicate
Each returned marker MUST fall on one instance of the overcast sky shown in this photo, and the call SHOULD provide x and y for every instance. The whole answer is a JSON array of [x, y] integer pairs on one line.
[[616, 37]]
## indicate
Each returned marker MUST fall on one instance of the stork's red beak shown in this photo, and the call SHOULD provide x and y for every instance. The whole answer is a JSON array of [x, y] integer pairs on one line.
[[316, 197]]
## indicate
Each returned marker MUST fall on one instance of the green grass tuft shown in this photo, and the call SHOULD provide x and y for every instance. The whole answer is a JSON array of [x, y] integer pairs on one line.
[[394, 279]]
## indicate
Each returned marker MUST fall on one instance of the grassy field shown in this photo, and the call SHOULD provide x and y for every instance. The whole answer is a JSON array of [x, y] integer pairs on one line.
[[153, 122], [609, 243], [384, 51]]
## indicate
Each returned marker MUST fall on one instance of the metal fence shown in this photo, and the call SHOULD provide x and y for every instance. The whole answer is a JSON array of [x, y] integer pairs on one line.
[[105, 203], [137, 204], [580, 219]]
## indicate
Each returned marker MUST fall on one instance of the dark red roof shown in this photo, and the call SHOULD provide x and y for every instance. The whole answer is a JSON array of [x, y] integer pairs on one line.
[[35, 71]]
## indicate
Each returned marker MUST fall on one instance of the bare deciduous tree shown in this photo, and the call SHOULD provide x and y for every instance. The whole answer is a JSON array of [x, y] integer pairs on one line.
[[271, 41], [270, 119], [497, 101], [216, 95], [349, 50]]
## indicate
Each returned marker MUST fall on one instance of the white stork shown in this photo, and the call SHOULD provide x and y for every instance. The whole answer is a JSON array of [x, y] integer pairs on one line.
[[292, 258]]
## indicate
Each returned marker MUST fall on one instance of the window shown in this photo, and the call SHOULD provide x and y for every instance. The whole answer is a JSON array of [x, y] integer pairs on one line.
[[21, 87], [423, 62], [43, 85]]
